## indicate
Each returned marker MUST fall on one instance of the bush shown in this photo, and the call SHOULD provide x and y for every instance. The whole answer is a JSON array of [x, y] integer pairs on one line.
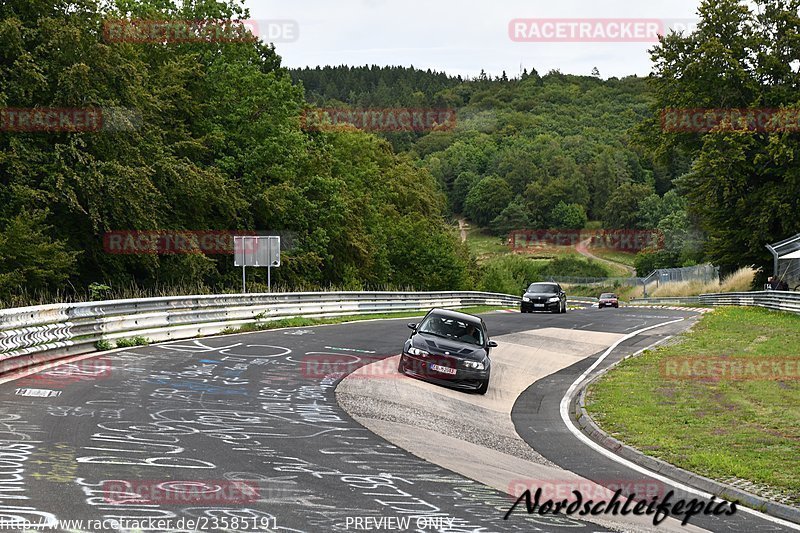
[[133, 341], [568, 216], [648, 261], [513, 217], [509, 274], [487, 199], [103, 345], [98, 291]]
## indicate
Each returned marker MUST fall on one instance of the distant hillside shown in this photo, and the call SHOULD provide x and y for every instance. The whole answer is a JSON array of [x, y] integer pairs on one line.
[[530, 151]]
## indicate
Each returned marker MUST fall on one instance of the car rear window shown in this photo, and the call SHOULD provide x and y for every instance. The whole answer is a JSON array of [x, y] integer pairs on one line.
[[608, 295]]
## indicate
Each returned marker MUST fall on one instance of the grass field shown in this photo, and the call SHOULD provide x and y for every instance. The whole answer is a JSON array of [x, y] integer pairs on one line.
[[613, 255], [484, 246], [746, 429]]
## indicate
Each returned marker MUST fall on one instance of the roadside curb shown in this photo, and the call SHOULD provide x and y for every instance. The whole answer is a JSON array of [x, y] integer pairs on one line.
[[588, 427]]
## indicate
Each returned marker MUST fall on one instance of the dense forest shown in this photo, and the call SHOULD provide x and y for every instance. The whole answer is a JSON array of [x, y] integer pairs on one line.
[[220, 145], [559, 151], [552, 151]]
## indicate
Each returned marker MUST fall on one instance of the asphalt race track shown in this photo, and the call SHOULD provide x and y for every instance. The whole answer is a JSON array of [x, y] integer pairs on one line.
[[244, 433]]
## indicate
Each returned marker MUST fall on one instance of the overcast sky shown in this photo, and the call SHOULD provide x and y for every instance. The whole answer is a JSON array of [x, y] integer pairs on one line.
[[460, 36]]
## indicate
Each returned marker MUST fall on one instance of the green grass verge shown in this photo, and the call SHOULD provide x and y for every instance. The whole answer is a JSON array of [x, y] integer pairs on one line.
[[613, 255], [484, 246], [303, 321], [746, 429]]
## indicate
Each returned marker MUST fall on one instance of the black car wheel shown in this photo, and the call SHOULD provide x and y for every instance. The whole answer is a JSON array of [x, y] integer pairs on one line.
[[564, 307], [401, 366], [484, 387]]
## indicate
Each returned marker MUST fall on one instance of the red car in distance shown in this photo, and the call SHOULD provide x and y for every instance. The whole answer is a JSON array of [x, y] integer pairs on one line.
[[608, 299]]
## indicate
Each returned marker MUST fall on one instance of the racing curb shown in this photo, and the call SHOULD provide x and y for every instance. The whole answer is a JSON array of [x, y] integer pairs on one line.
[[587, 425]]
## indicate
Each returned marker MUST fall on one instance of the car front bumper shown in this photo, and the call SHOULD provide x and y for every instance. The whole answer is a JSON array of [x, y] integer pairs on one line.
[[532, 306], [466, 379]]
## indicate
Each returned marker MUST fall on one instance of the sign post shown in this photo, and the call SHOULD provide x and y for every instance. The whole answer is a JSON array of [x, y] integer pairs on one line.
[[257, 252]]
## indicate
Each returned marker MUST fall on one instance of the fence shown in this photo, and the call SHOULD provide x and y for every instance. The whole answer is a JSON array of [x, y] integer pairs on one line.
[[701, 273], [33, 335], [604, 282]]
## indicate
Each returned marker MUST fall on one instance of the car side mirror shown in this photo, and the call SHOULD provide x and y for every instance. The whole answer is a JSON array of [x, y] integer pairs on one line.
[[492, 344], [412, 325]]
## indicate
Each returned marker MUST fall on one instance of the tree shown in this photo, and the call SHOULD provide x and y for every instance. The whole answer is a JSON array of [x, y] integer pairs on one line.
[[219, 147], [622, 208], [487, 199], [568, 216], [461, 187], [654, 208], [647, 261], [30, 260], [513, 217], [744, 186], [680, 238]]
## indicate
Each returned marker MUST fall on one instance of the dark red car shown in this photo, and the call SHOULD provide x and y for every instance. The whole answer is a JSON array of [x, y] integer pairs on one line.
[[608, 300]]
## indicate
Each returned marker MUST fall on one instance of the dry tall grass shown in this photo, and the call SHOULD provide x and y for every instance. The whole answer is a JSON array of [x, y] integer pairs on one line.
[[739, 281]]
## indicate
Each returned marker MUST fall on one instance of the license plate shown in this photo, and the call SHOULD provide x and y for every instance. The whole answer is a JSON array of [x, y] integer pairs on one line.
[[538, 305], [443, 369]]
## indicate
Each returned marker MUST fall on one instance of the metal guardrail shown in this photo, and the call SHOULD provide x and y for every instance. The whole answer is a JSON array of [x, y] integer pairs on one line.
[[776, 300], [33, 335]]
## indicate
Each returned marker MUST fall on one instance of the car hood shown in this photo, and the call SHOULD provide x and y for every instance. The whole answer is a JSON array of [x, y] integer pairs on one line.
[[438, 346], [540, 295]]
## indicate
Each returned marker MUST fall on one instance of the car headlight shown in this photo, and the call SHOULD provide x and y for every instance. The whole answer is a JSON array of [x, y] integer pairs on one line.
[[475, 365], [526, 299], [553, 299], [417, 351]]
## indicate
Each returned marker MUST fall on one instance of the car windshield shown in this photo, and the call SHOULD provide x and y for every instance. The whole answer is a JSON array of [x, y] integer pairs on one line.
[[607, 296], [451, 328], [547, 288]]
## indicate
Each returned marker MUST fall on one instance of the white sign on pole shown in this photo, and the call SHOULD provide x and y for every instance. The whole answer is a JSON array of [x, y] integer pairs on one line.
[[257, 251]]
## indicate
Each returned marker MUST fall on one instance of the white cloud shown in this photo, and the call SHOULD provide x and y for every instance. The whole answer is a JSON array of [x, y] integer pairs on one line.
[[459, 36]]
